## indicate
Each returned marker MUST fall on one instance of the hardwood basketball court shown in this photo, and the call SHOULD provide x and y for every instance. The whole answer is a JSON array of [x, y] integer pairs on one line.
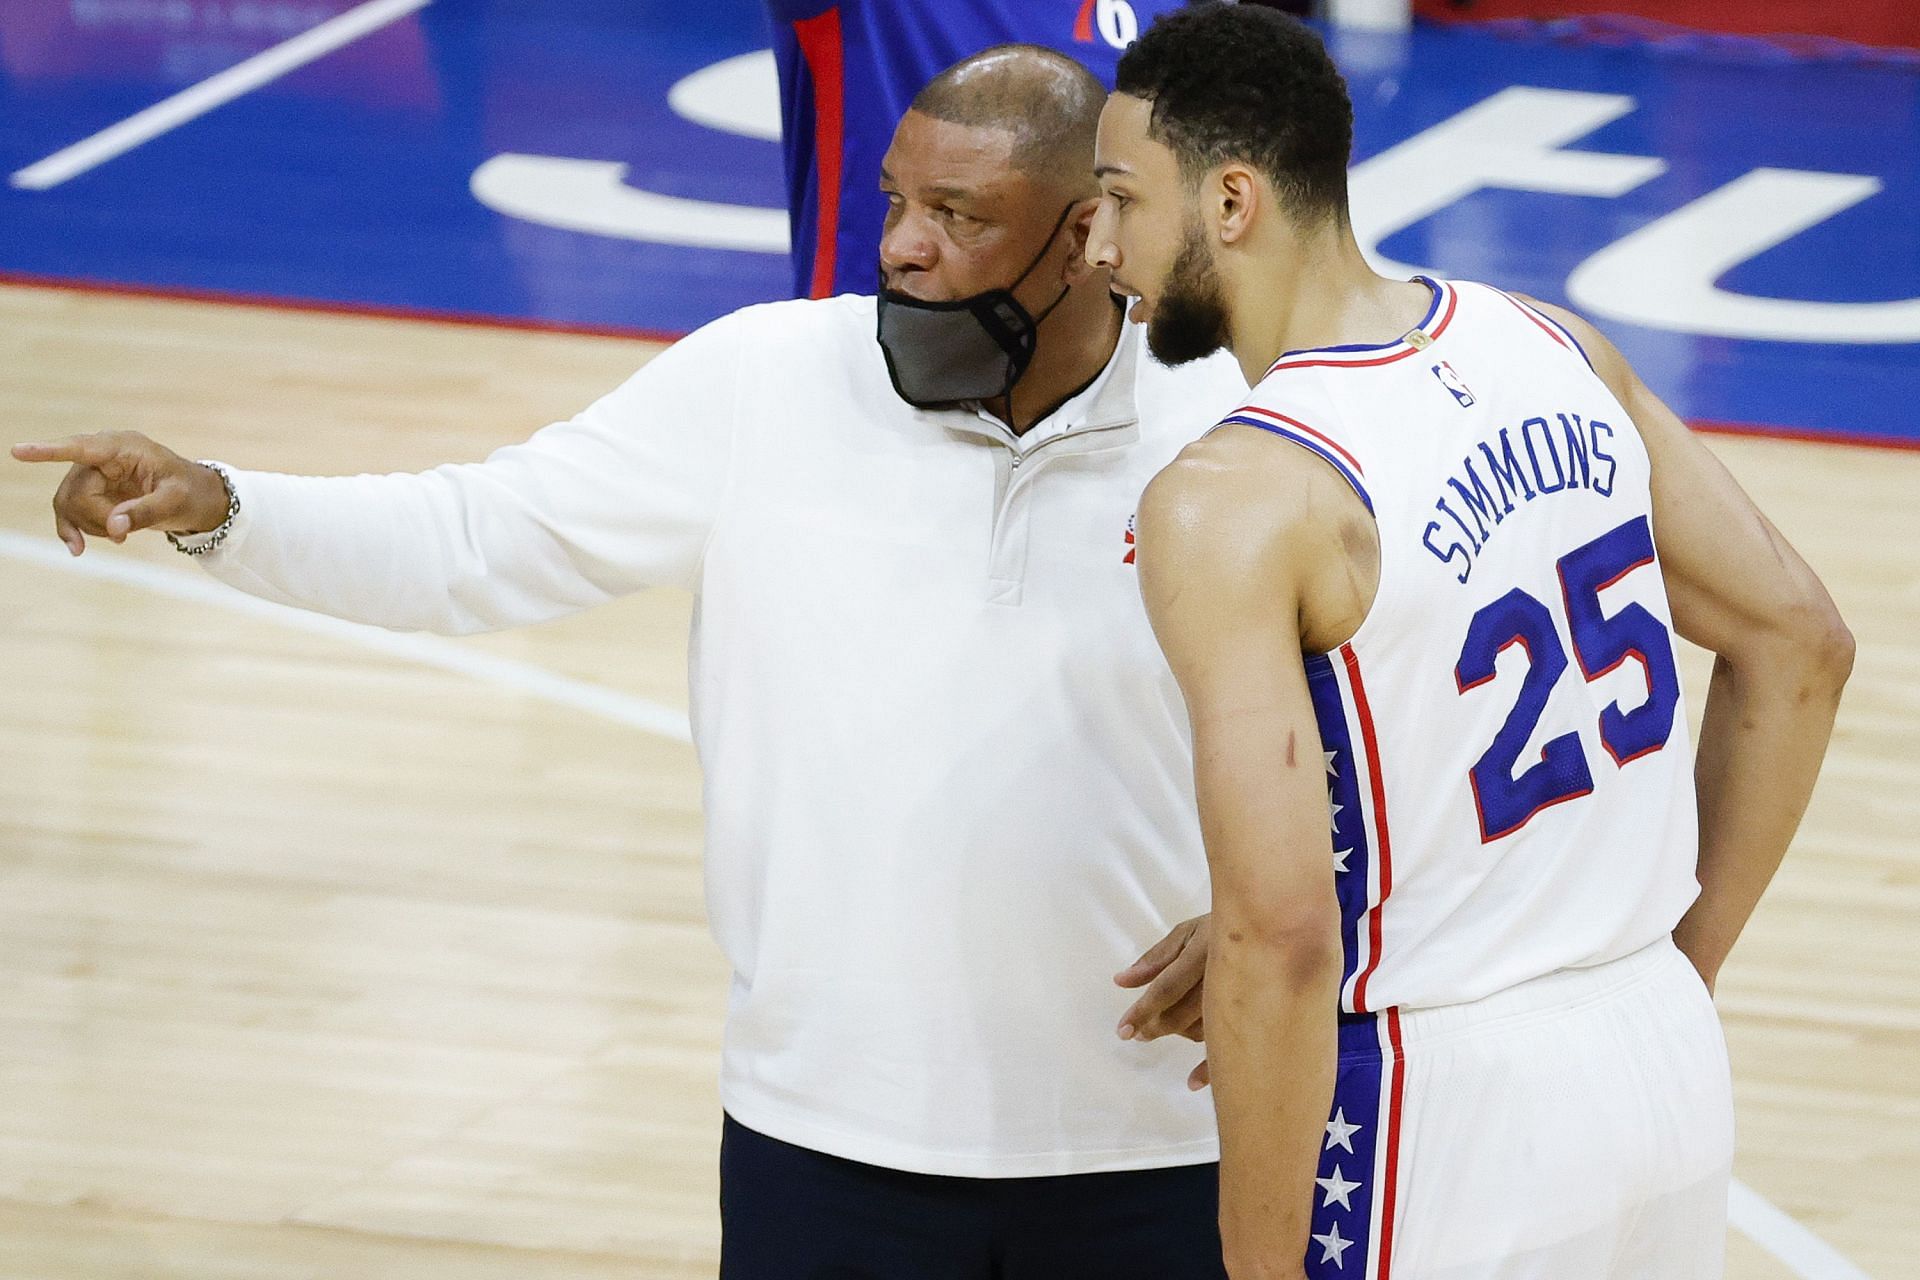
[[326, 957]]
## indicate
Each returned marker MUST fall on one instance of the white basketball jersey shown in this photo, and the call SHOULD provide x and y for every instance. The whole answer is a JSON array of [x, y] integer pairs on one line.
[[1511, 786]]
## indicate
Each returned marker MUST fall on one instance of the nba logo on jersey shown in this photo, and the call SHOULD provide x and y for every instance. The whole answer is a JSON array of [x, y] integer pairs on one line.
[[1451, 381]]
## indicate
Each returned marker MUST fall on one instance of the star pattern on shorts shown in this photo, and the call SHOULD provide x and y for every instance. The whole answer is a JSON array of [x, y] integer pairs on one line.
[[1331, 771], [1333, 817], [1340, 857], [1338, 1190], [1340, 1133], [1333, 1245]]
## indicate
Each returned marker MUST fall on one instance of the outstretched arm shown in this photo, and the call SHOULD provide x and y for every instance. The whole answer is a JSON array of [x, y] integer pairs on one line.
[[622, 496], [1782, 654], [1221, 569]]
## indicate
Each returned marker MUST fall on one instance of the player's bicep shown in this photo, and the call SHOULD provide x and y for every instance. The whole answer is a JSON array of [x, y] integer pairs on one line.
[[1220, 590], [1216, 580], [1260, 784]]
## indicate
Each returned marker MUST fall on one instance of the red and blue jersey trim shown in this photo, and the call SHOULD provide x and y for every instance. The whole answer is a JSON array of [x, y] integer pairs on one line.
[[1377, 809], [1352, 852], [1358, 1178], [1357, 816], [1357, 1183], [1549, 326], [1446, 300], [1309, 438]]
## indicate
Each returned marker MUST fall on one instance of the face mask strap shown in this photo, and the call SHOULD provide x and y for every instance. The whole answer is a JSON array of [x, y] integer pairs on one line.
[[1002, 315], [1058, 223], [997, 313]]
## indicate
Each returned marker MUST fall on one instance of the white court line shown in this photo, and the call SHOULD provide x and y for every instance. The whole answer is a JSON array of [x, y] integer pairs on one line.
[[215, 91], [429, 651], [1804, 1253]]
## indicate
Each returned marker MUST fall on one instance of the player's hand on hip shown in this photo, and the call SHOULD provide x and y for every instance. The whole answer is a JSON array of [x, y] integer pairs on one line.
[[121, 481]]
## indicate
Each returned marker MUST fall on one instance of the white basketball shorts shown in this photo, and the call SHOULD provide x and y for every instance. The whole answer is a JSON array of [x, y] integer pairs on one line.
[[1575, 1127]]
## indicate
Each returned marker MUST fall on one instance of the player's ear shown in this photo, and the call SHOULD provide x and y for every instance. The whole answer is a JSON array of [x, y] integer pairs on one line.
[[1233, 190]]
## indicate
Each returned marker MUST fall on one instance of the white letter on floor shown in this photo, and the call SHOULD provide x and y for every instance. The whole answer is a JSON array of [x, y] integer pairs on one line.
[[1662, 276], [1510, 140]]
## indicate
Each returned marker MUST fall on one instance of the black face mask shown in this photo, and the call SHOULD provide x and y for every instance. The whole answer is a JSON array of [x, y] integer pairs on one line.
[[941, 353]]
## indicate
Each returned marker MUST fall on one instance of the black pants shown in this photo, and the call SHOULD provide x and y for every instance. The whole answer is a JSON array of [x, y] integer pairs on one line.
[[788, 1213]]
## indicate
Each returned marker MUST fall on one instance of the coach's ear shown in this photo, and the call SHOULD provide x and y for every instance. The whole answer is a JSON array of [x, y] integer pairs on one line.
[[1079, 228]]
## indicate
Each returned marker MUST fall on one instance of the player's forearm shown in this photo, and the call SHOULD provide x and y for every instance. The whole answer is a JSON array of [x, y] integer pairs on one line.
[[1763, 736], [1271, 1005]]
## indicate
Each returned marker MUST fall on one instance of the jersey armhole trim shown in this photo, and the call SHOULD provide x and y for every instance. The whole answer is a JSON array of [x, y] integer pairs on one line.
[[1328, 449], [1553, 328]]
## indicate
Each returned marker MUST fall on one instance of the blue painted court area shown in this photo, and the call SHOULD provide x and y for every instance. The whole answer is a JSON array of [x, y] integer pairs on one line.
[[349, 180], [1746, 226]]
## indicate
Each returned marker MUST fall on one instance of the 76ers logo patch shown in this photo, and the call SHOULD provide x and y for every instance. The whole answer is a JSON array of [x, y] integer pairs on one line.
[[1128, 558]]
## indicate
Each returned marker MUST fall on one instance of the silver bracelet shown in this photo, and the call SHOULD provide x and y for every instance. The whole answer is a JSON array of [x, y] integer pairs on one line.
[[218, 534]]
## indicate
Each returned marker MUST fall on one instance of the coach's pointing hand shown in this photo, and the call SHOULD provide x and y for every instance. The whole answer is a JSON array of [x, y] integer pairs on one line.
[[121, 481], [1173, 970]]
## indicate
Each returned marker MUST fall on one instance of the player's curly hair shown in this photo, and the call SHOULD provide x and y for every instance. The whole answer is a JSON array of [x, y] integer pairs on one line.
[[1241, 82]]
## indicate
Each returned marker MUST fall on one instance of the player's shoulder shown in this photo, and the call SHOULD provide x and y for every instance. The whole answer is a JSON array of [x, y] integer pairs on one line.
[[1229, 485], [1601, 355], [1276, 462], [1231, 523], [1537, 317], [1310, 407]]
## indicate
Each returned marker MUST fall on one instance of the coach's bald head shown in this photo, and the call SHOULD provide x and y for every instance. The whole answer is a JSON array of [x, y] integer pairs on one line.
[[1047, 103]]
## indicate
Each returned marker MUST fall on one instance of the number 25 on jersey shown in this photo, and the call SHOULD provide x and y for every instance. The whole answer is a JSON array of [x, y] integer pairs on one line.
[[1601, 642]]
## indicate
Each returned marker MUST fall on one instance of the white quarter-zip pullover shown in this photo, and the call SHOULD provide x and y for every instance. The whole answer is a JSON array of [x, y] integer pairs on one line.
[[947, 778]]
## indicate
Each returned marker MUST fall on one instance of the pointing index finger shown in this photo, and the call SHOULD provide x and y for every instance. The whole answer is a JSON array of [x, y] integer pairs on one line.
[[71, 449]]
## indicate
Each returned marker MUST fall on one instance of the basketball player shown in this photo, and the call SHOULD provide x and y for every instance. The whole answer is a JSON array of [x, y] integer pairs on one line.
[[1471, 887], [948, 788]]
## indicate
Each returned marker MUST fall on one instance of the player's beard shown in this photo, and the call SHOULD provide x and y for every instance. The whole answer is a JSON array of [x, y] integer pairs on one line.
[[1190, 319]]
